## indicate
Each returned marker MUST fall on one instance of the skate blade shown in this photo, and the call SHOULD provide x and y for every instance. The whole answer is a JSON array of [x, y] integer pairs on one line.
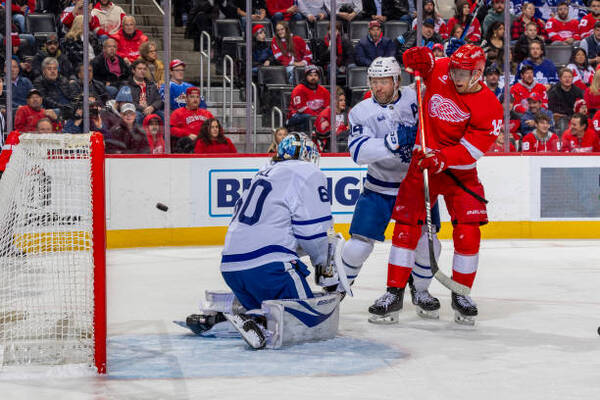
[[464, 319], [387, 319], [428, 314]]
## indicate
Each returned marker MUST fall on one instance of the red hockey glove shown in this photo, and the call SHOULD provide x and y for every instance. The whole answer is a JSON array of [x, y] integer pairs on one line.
[[419, 59], [434, 161]]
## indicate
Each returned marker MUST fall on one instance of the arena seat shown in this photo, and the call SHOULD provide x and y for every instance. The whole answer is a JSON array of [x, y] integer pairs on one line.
[[559, 54], [300, 28], [393, 29], [358, 30]]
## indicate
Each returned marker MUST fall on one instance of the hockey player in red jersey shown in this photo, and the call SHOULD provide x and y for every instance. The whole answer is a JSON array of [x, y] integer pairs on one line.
[[462, 119]]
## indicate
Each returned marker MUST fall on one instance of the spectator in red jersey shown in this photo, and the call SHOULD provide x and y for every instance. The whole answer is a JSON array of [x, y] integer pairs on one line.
[[280, 10], [429, 11], [580, 137], [109, 15], [528, 119], [68, 17], [154, 133], [562, 29], [463, 9], [129, 39], [498, 146], [144, 93], [28, 115], [521, 48], [524, 87], [126, 137], [187, 121], [323, 128], [541, 139], [527, 15], [438, 50], [289, 50], [592, 94], [580, 107], [586, 25], [278, 135], [212, 139], [591, 45], [561, 98], [583, 73], [307, 99]]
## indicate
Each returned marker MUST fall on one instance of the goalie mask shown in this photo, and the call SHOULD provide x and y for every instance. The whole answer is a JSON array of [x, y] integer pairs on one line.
[[384, 67], [467, 65], [297, 146]]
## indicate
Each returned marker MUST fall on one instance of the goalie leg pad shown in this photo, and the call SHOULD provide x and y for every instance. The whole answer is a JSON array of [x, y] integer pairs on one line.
[[301, 320]]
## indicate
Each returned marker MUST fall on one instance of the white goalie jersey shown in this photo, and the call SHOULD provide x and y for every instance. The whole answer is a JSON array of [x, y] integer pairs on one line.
[[286, 206], [370, 123]]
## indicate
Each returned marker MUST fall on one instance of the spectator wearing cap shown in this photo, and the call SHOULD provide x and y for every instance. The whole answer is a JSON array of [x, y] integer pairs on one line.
[[261, 49], [527, 16], [344, 50], [561, 98], [409, 38], [521, 47], [524, 87], [462, 11], [387, 10], [109, 68], [561, 28], [580, 137], [494, 14], [156, 68], [20, 85], [153, 127], [544, 69], [307, 99], [313, 10], [96, 88], [51, 49], [29, 114], [126, 137], [591, 45], [587, 23], [438, 50], [583, 73], [429, 11], [187, 121], [528, 118], [55, 89], [373, 45], [492, 78], [280, 10], [541, 139], [144, 92], [178, 86], [109, 15], [129, 39], [580, 107], [212, 139]]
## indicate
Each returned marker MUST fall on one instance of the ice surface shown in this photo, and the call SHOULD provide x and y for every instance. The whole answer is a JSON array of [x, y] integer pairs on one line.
[[536, 336]]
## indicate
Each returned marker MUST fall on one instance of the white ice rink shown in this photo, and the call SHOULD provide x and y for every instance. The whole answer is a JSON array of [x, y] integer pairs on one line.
[[536, 336]]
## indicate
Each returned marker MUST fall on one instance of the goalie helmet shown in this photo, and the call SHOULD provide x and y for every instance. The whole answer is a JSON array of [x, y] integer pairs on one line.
[[297, 146]]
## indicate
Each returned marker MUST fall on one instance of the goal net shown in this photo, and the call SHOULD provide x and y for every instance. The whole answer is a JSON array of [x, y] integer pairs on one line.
[[52, 250]]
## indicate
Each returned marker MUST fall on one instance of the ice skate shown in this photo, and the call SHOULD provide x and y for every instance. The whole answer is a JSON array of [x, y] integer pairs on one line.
[[200, 323], [465, 309], [250, 329], [427, 306], [386, 309]]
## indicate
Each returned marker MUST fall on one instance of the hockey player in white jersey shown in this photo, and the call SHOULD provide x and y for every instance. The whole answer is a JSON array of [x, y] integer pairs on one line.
[[383, 132], [285, 209]]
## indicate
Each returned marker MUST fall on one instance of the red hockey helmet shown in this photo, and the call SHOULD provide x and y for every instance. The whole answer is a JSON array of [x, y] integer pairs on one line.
[[469, 57]]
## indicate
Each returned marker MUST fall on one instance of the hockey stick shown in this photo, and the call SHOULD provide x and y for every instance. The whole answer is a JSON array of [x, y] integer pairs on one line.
[[435, 270]]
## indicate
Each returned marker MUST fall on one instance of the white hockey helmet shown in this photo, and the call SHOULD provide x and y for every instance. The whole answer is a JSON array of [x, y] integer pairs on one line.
[[384, 67]]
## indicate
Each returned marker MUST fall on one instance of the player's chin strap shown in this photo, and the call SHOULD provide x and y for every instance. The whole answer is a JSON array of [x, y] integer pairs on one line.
[[439, 275]]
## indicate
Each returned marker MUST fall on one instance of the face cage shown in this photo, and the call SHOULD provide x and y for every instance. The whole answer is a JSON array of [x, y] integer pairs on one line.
[[397, 81]]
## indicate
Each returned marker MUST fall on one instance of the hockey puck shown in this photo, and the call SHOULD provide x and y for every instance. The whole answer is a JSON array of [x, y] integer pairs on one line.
[[599, 330], [162, 207]]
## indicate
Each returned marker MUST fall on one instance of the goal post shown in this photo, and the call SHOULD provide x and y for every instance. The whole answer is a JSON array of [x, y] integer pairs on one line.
[[53, 252]]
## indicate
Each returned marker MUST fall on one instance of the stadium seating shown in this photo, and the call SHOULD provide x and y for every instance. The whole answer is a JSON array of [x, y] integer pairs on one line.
[[227, 33], [393, 29], [300, 28], [41, 26], [357, 77], [358, 30], [321, 29], [559, 54]]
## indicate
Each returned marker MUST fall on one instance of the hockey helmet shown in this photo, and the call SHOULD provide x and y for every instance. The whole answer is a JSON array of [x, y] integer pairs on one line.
[[468, 57], [384, 67], [297, 146]]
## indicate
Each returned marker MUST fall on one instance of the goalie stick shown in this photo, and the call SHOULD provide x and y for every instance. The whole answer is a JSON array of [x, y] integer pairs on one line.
[[439, 275]]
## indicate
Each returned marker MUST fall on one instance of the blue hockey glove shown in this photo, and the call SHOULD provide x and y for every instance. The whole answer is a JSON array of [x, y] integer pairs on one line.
[[401, 142], [453, 45]]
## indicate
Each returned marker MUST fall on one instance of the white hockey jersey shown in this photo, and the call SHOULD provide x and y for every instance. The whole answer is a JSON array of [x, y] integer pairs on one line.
[[369, 123], [286, 206]]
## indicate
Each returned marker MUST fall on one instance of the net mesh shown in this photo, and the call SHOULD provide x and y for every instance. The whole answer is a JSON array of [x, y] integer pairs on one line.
[[46, 260]]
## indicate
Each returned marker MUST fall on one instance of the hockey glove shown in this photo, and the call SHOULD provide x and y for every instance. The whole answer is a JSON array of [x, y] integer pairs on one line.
[[419, 59], [453, 45], [434, 161]]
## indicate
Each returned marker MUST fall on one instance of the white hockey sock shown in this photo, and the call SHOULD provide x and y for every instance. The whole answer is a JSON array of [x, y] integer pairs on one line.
[[355, 253]]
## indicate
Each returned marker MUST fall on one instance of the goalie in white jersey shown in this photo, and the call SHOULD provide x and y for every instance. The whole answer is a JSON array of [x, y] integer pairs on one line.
[[285, 209], [383, 132]]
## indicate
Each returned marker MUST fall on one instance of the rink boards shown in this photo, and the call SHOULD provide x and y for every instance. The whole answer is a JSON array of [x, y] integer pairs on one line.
[[550, 196]]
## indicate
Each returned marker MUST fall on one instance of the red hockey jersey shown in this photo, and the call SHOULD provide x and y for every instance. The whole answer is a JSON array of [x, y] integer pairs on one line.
[[129, 48], [26, 118], [301, 52], [521, 93], [11, 141], [559, 31], [499, 148], [67, 19], [186, 122], [473, 34], [532, 144], [586, 25], [322, 122], [463, 126], [306, 101], [587, 144], [596, 123]]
